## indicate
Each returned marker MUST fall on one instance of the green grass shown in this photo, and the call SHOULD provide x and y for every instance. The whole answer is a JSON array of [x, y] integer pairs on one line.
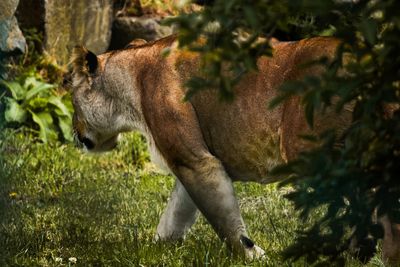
[[58, 202]]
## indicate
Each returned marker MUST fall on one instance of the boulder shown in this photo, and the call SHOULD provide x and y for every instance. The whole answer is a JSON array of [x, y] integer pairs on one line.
[[125, 29], [11, 38], [65, 24], [7, 8]]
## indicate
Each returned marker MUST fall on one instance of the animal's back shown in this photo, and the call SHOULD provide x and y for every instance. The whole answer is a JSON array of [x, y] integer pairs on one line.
[[244, 134]]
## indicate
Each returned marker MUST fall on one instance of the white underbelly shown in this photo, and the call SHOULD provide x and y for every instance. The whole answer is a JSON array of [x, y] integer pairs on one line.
[[156, 156]]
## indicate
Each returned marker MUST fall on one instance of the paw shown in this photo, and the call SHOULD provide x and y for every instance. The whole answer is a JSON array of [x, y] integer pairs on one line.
[[254, 253], [172, 237], [251, 251]]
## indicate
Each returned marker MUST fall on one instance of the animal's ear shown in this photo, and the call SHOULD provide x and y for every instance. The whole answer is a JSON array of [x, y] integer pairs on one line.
[[83, 61]]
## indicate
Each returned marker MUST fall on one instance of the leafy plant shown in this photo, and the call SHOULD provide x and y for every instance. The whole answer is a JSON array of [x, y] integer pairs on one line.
[[31, 94], [36, 104]]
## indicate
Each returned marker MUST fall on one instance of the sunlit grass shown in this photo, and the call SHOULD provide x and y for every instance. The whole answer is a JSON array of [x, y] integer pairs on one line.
[[58, 204]]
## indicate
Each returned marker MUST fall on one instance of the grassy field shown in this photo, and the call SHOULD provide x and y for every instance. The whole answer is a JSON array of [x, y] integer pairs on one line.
[[58, 204]]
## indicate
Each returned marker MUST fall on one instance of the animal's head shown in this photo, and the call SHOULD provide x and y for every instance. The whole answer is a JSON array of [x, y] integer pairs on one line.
[[95, 118]]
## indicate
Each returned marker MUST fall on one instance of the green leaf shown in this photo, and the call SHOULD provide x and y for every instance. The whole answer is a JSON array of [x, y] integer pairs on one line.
[[62, 109], [38, 103], [309, 113], [251, 16], [65, 122], [31, 82], [14, 112], [37, 88], [369, 28], [17, 91], [46, 128]]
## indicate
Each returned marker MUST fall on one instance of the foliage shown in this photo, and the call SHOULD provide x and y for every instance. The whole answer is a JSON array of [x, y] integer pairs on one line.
[[32, 95], [161, 6], [353, 180], [139, 151], [36, 61], [33, 103], [228, 36], [146, 7]]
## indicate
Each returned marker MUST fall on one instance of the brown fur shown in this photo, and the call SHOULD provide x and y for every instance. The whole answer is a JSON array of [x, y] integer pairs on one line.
[[204, 142]]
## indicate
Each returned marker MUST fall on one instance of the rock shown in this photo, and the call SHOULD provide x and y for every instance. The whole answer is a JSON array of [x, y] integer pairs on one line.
[[125, 29], [66, 24], [7, 8], [11, 38]]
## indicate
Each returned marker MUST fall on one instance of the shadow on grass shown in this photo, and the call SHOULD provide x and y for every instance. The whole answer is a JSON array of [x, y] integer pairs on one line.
[[9, 198]]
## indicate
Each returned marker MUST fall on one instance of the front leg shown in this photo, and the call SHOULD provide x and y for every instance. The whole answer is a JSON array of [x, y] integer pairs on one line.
[[178, 216], [211, 189]]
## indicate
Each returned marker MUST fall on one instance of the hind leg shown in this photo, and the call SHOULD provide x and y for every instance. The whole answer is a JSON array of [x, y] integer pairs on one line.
[[178, 216], [212, 191], [391, 241]]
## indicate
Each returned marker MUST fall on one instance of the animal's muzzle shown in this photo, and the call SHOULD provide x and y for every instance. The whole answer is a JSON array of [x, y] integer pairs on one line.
[[87, 143], [83, 141]]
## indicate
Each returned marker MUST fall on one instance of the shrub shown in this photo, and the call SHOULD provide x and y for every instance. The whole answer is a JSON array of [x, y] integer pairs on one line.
[[32, 96], [36, 104]]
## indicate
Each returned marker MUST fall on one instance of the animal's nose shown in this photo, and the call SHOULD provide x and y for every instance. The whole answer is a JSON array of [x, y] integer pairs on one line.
[[87, 143]]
